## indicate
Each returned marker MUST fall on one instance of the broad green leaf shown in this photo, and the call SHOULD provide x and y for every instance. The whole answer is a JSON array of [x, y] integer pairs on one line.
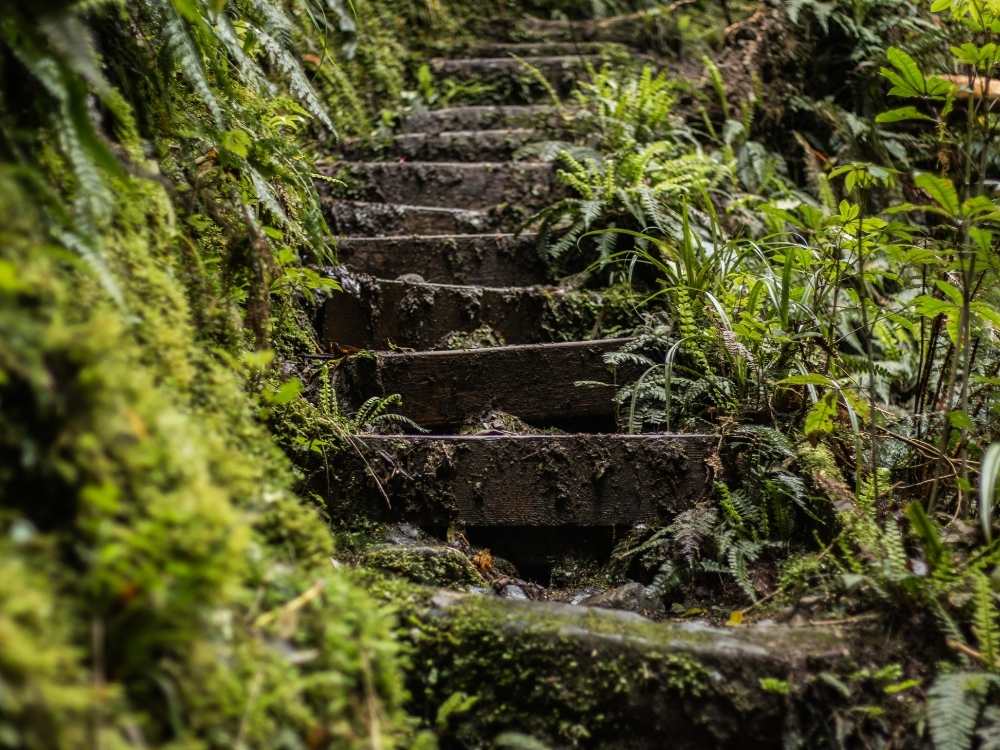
[[812, 378], [942, 190], [902, 113], [909, 81], [820, 419]]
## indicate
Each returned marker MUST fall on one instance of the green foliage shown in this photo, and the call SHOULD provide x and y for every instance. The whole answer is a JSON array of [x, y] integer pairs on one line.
[[954, 703]]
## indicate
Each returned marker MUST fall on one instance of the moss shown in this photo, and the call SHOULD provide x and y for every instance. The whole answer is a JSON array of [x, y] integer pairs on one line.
[[585, 678], [437, 566]]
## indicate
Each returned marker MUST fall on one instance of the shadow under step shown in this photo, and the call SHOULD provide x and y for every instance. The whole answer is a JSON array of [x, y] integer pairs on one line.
[[632, 683], [457, 145], [446, 389], [381, 314], [521, 479], [488, 259], [487, 117], [516, 80], [475, 185]]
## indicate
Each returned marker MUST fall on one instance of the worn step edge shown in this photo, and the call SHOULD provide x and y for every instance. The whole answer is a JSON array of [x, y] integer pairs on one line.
[[351, 217], [386, 314], [487, 117], [554, 671], [447, 388], [455, 145], [454, 65], [487, 259], [539, 49], [470, 185], [521, 480]]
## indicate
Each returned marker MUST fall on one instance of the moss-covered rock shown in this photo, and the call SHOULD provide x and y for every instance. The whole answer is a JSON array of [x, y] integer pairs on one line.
[[580, 677], [431, 565]]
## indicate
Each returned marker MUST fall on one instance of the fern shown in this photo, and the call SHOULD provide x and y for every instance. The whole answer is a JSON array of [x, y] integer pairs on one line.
[[954, 702]]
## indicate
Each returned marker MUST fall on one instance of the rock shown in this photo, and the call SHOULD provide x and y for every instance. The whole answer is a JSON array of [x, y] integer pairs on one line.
[[408, 535], [430, 565], [513, 591], [632, 597], [586, 677]]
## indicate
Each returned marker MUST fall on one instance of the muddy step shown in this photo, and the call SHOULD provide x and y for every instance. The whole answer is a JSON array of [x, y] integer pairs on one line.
[[486, 117], [382, 314], [535, 383], [562, 672], [516, 80], [474, 185], [542, 49], [457, 145], [366, 218], [487, 259], [522, 480]]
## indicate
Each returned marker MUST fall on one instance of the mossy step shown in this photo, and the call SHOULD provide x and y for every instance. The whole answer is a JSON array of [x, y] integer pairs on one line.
[[457, 145], [576, 677], [521, 480], [383, 314], [486, 117], [635, 29], [488, 259], [474, 185], [513, 80], [347, 217], [535, 383], [541, 49]]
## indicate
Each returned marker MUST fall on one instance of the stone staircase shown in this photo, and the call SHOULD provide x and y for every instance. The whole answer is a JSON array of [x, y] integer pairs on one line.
[[428, 224]]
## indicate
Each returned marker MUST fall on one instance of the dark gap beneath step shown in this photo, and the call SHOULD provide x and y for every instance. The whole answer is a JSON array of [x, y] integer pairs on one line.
[[586, 425], [535, 550]]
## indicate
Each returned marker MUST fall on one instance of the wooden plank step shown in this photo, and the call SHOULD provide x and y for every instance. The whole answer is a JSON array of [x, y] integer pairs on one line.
[[447, 388], [487, 259], [512, 79], [542, 49], [486, 117], [456, 145], [474, 185], [522, 480], [348, 217], [631, 683], [383, 314]]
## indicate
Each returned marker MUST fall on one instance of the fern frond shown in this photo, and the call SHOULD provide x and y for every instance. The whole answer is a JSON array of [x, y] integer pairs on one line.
[[954, 702]]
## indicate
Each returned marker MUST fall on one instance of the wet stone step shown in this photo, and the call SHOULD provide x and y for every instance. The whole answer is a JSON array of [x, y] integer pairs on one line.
[[562, 672], [486, 117], [542, 49], [458, 145], [521, 480], [382, 314], [348, 217], [487, 259], [474, 185], [446, 389], [511, 79]]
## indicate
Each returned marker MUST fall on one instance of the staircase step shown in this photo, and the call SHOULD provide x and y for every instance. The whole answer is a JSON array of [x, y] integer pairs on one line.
[[367, 218], [561, 672], [382, 314], [541, 49], [446, 184], [456, 145], [487, 259], [486, 117], [522, 480], [511, 79], [444, 389]]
